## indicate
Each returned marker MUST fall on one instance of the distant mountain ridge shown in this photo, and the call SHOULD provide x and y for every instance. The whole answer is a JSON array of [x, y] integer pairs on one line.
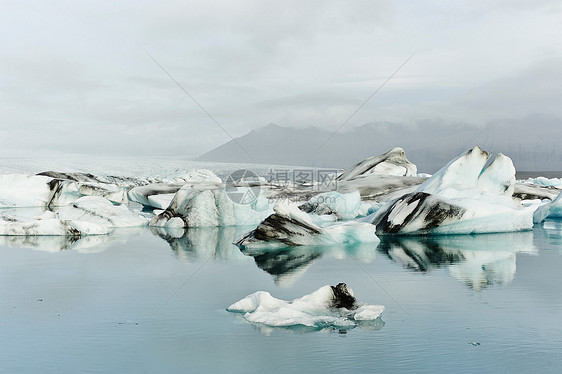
[[532, 144]]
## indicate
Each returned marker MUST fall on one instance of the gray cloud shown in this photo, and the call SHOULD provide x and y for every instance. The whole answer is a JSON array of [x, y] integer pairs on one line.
[[75, 77]]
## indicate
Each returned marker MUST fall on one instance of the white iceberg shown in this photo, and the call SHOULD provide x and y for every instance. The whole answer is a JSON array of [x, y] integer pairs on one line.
[[100, 211], [46, 225], [290, 226], [464, 197], [545, 182], [88, 215], [326, 307], [54, 189], [156, 195], [342, 206], [393, 162], [205, 205], [529, 191], [160, 192], [549, 210], [19, 190]]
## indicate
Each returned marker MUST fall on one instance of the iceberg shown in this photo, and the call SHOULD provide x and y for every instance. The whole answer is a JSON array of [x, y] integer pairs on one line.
[[46, 224], [100, 211], [88, 215], [54, 189], [49, 189], [329, 306], [393, 162], [19, 190], [208, 205], [552, 209], [159, 192], [544, 182], [528, 191], [342, 206], [380, 188], [290, 226], [466, 196], [156, 195]]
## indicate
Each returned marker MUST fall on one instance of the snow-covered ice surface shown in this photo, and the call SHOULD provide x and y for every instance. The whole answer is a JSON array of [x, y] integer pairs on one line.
[[329, 306]]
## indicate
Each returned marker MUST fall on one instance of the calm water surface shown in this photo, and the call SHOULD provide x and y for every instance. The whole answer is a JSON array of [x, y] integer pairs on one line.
[[146, 301]]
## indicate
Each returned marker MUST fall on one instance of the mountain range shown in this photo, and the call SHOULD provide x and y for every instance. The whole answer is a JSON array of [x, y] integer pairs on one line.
[[532, 143]]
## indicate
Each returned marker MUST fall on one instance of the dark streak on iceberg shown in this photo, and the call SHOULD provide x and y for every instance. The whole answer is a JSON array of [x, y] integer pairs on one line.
[[430, 209], [277, 227], [343, 298]]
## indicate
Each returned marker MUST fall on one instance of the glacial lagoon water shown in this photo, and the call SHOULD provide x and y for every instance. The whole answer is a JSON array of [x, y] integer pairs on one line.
[[151, 301], [144, 302]]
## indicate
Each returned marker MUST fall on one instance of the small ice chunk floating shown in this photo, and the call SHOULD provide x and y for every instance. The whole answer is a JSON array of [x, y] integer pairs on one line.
[[329, 306]]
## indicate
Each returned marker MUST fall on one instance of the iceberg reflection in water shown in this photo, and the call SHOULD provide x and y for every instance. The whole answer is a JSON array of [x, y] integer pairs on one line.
[[551, 231], [79, 244], [287, 264], [198, 243], [477, 260]]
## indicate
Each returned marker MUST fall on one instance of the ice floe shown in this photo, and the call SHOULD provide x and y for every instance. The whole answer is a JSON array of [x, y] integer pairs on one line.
[[328, 306]]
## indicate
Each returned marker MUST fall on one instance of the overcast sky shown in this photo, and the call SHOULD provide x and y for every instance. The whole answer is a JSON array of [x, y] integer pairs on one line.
[[76, 76]]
